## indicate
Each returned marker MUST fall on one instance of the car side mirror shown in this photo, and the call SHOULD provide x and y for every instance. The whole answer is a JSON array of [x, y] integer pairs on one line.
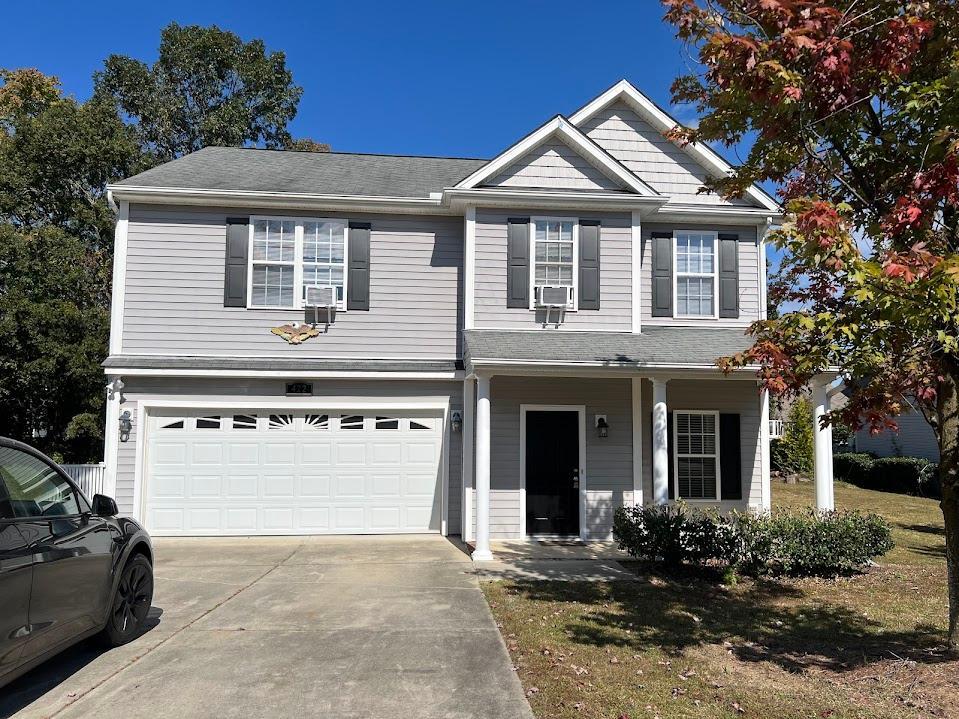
[[104, 506]]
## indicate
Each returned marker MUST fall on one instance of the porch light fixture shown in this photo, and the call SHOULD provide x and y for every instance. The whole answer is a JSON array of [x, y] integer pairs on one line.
[[602, 426], [126, 425], [456, 422]]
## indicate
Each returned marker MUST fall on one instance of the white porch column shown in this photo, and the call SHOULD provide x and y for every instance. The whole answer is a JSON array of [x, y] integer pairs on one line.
[[766, 487], [825, 501], [469, 406], [660, 443], [637, 400], [482, 551]]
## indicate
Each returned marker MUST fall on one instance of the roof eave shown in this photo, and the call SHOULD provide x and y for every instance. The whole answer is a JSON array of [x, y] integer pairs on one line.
[[459, 198], [285, 200]]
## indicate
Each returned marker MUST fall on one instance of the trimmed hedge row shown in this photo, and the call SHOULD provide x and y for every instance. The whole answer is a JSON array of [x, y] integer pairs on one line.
[[786, 543], [903, 475]]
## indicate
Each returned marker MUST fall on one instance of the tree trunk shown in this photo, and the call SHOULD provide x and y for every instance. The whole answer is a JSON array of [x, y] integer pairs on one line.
[[947, 410]]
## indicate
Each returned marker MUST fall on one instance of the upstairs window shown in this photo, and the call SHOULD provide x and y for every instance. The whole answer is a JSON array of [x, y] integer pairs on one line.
[[324, 255], [290, 254], [696, 274], [554, 256]]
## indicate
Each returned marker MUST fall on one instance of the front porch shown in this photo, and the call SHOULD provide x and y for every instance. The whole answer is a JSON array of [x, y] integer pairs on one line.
[[632, 437]]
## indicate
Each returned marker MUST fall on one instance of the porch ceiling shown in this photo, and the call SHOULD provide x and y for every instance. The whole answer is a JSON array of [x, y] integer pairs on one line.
[[654, 348]]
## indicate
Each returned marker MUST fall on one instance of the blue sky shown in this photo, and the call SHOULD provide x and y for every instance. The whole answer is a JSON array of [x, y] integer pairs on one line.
[[435, 78]]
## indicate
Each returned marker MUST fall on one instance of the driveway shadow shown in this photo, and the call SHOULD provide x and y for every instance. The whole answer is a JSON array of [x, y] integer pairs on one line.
[[59, 668]]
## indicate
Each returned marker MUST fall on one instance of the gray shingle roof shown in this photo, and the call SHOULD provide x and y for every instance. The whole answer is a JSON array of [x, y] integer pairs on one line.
[[322, 173], [657, 346]]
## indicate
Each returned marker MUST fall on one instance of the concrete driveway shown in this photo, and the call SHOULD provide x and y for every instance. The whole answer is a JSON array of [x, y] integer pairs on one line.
[[274, 627]]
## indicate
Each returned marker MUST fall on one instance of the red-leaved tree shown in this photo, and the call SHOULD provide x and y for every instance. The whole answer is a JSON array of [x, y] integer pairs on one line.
[[852, 108]]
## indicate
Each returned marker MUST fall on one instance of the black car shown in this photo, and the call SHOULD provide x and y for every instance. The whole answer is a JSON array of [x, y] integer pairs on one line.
[[69, 568]]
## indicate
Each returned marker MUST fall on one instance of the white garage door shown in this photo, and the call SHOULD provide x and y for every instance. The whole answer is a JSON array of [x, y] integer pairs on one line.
[[298, 472]]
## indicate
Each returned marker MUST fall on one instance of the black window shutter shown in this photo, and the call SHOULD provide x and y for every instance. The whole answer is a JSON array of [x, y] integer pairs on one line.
[[517, 262], [237, 249], [589, 264], [358, 289], [728, 275], [730, 461], [669, 451], [662, 262]]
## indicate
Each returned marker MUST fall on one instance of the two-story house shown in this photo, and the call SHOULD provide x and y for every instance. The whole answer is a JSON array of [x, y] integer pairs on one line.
[[502, 348]]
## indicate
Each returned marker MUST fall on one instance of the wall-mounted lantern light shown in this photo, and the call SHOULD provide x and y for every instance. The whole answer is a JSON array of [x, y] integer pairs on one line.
[[126, 425], [602, 426], [456, 421]]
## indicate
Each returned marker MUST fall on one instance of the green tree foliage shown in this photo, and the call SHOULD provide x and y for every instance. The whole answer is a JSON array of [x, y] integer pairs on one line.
[[852, 106], [207, 87], [56, 234], [56, 155], [795, 451], [54, 322]]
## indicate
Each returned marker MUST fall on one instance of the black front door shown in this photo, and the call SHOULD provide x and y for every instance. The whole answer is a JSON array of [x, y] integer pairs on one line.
[[552, 472]]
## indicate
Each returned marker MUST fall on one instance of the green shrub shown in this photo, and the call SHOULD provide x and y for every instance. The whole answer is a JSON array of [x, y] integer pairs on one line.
[[897, 474], [929, 485], [905, 475], [852, 467], [804, 543], [794, 452], [786, 543]]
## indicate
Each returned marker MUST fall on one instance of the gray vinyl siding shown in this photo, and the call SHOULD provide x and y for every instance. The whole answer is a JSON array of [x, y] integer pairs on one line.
[[490, 310], [209, 392], [174, 290], [554, 165], [609, 461], [666, 167], [748, 275], [915, 438], [733, 396]]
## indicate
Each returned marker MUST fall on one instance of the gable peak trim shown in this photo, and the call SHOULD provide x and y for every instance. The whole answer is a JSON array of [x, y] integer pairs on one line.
[[662, 121], [561, 127]]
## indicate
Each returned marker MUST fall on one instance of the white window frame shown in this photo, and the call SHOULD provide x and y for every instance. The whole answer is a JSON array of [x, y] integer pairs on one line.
[[714, 275], [676, 455], [573, 305], [298, 299]]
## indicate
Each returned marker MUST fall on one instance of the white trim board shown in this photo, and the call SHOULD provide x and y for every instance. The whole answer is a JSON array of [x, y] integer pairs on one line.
[[708, 158], [119, 278], [286, 374], [571, 135], [580, 409]]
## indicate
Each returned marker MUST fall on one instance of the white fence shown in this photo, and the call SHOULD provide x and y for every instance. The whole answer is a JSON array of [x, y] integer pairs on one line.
[[775, 428], [88, 476]]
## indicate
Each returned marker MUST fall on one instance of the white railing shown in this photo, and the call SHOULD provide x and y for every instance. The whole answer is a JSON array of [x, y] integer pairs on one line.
[[88, 476], [775, 428]]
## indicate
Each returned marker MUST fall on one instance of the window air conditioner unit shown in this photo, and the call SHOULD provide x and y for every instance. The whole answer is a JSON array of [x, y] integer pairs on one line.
[[553, 297], [321, 298]]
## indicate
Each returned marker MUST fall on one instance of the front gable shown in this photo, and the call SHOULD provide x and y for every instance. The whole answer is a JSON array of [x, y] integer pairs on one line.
[[619, 130], [555, 165], [630, 126], [557, 156]]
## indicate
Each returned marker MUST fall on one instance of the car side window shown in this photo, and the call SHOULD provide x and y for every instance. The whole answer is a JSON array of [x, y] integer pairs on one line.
[[34, 488]]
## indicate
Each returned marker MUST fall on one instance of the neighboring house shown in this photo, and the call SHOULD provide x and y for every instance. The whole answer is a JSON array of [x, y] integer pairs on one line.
[[510, 338], [915, 438]]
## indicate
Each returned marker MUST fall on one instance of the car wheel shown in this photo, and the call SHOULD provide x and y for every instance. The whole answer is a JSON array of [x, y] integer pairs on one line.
[[131, 602]]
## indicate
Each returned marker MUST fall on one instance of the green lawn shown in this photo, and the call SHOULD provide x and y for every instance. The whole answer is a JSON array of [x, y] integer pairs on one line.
[[687, 646]]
